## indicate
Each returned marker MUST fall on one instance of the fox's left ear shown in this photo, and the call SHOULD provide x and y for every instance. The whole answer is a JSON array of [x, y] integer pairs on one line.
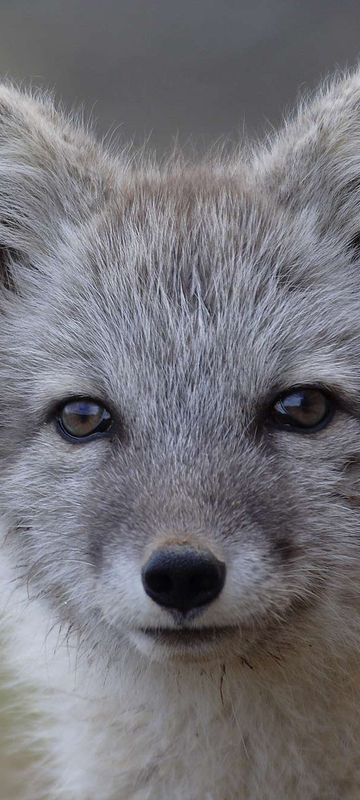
[[51, 172], [314, 162]]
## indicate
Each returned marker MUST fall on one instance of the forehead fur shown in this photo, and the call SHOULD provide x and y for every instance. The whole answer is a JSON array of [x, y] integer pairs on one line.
[[226, 266]]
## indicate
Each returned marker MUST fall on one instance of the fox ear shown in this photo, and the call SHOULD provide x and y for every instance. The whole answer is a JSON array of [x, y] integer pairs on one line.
[[51, 172], [314, 162]]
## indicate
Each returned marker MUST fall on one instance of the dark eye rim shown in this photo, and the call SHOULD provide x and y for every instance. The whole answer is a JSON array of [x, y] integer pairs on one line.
[[97, 434], [292, 427]]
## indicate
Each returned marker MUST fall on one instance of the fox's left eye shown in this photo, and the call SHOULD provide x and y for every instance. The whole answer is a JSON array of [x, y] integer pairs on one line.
[[303, 409], [81, 419]]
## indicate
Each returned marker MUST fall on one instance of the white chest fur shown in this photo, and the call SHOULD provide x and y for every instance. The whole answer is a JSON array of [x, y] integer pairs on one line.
[[220, 732]]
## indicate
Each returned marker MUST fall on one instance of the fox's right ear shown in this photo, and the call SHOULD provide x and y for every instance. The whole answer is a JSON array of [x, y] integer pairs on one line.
[[52, 172]]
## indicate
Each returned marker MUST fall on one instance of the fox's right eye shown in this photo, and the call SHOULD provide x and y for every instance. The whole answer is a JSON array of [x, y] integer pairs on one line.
[[82, 419]]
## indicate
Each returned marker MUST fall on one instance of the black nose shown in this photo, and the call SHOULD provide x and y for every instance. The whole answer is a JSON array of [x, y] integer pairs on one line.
[[183, 578]]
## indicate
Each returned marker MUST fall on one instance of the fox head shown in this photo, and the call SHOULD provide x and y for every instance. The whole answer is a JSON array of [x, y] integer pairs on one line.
[[180, 384]]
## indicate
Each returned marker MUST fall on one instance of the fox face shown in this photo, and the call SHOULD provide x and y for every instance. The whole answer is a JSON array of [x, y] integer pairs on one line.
[[179, 423]]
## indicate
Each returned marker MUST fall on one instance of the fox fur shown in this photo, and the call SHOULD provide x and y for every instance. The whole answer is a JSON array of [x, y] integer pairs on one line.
[[185, 297]]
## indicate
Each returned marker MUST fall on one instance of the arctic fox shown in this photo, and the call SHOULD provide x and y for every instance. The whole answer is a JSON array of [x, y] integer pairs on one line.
[[180, 458]]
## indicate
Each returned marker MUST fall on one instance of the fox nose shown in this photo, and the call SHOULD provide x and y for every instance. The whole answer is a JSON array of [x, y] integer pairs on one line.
[[183, 579]]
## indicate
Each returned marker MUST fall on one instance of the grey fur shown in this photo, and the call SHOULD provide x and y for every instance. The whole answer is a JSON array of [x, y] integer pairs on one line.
[[186, 297]]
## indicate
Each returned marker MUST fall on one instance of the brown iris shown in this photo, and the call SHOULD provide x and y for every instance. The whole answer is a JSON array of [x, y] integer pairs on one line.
[[83, 418], [303, 409]]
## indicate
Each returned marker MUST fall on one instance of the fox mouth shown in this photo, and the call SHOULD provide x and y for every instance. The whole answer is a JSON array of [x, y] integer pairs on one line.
[[208, 642], [188, 636]]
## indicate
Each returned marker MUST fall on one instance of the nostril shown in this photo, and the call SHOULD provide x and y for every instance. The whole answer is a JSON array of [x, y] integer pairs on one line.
[[203, 582], [183, 578], [159, 582]]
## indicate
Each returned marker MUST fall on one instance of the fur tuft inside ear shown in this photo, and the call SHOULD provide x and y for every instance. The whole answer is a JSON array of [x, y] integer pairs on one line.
[[52, 172], [314, 162]]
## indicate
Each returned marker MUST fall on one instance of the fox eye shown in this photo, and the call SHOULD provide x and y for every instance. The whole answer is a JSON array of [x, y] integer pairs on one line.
[[303, 409], [81, 419]]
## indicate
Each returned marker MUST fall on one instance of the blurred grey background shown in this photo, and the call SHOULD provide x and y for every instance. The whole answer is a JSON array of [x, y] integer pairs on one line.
[[198, 70]]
